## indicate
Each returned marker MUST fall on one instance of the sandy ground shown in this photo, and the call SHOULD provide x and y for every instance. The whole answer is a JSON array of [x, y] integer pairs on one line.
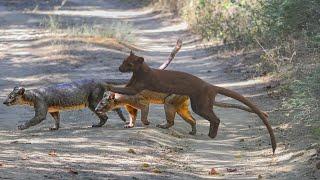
[[77, 151]]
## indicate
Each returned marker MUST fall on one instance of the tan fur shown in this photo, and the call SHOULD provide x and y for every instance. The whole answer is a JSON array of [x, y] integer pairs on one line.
[[172, 103], [22, 101], [67, 108]]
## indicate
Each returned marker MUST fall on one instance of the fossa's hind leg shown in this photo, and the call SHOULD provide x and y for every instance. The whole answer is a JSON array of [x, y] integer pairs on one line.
[[202, 105]]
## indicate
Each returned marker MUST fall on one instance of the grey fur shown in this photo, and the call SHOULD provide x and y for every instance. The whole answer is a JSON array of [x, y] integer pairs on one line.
[[66, 96]]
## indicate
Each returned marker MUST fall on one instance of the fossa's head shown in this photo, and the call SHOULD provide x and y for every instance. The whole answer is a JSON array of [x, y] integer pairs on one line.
[[15, 96], [131, 63]]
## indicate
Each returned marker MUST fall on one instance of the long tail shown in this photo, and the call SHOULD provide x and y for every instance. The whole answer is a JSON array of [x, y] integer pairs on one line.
[[254, 108], [236, 106]]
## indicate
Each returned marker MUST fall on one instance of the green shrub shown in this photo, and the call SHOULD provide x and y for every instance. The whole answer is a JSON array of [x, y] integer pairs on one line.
[[305, 98], [243, 21], [290, 18], [230, 21]]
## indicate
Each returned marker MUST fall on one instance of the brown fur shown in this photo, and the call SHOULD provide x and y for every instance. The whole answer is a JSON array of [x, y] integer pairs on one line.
[[202, 94]]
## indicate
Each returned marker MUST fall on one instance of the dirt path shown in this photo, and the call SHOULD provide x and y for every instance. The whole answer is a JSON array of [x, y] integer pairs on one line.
[[29, 58]]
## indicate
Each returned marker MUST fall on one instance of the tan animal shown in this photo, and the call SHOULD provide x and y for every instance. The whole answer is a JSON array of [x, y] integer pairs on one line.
[[202, 94], [172, 104]]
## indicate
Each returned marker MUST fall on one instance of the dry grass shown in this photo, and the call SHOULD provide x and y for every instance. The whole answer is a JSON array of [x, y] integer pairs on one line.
[[121, 31]]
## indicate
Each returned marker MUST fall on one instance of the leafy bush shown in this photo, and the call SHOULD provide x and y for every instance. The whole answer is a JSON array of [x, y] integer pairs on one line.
[[305, 98], [290, 18], [243, 21], [222, 19]]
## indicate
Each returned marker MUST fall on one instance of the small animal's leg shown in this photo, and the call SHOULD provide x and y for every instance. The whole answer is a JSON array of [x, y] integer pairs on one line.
[[170, 111], [32, 122], [40, 114], [185, 113], [133, 116], [203, 107], [56, 118], [144, 115], [102, 117], [120, 114], [93, 100]]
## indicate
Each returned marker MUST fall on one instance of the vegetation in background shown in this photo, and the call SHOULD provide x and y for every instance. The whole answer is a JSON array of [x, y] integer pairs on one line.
[[287, 32], [304, 101], [246, 20], [121, 31]]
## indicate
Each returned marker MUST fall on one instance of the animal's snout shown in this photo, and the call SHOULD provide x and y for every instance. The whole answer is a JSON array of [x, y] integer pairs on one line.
[[6, 103]]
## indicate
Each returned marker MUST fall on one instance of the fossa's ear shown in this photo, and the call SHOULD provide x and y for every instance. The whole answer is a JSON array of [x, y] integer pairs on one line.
[[131, 53]]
